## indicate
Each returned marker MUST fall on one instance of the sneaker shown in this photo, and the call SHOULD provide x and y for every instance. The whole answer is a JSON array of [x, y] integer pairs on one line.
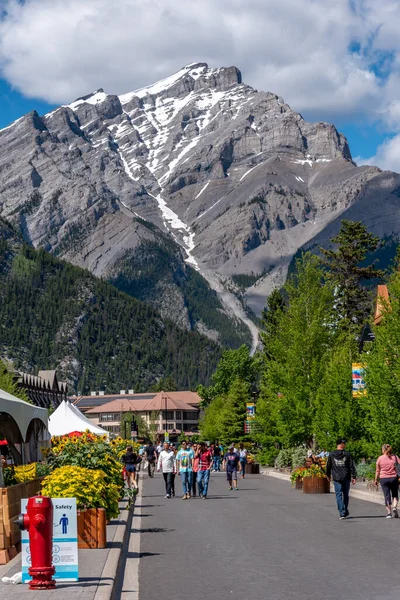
[[230, 489], [168, 496], [347, 513], [388, 516], [184, 497], [395, 513], [342, 517], [187, 496], [236, 488], [204, 497]]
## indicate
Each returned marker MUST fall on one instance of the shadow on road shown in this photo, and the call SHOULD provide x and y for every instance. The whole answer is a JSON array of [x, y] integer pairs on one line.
[[142, 554], [367, 517], [152, 530]]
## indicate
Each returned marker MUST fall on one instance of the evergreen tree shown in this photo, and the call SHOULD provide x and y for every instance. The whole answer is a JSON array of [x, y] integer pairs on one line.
[[347, 273], [233, 415], [8, 384], [295, 357], [337, 412]]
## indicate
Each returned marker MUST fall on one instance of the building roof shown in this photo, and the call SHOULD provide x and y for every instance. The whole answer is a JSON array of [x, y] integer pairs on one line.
[[89, 402], [160, 401], [45, 380], [382, 303]]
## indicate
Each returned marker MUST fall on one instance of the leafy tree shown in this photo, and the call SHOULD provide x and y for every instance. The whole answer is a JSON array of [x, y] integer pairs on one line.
[[154, 423], [8, 384], [232, 365], [383, 375], [347, 273], [210, 423], [337, 413], [233, 414], [294, 357]]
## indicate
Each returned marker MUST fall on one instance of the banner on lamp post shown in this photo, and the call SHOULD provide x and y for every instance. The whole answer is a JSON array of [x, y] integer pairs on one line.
[[357, 377], [250, 411]]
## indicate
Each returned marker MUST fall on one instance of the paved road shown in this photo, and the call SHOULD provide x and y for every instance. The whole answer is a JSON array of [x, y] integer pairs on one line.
[[264, 541]]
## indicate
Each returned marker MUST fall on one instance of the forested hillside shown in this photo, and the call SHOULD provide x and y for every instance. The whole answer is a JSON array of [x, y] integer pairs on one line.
[[53, 314]]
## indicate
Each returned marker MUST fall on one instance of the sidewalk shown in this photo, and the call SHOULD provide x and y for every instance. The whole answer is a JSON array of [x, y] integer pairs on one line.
[[97, 569], [359, 490]]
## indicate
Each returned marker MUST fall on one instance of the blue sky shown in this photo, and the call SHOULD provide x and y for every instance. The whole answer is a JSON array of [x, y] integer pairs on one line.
[[331, 61]]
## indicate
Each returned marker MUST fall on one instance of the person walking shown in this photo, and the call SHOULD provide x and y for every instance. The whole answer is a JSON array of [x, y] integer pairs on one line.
[[184, 460], [150, 454], [243, 459], [203, 474], [166, 464], [231, 461], [386, 472], [217, 457], [129, 460], [195, 468], [340, 467], [172, 447]]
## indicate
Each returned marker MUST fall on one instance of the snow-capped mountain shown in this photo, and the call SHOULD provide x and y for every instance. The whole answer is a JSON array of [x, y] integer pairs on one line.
[[234, 176]]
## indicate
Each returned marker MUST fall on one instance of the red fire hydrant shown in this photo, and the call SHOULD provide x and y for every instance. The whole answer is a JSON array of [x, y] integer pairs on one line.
[[38, 521]]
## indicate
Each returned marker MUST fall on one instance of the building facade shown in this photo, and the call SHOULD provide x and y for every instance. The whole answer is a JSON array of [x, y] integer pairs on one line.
[[172, 412]]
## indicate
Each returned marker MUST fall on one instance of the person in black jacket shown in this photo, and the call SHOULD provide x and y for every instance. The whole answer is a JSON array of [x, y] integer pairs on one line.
[[129, 460], [340, 467]]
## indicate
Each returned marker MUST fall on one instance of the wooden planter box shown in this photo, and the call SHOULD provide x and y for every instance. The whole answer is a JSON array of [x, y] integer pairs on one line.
[[10, 508], [252, 469], [92, 532], [298, 484], [316, 485]]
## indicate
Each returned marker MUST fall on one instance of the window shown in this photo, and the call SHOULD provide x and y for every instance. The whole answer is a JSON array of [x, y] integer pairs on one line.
[[178, 414], [170, 426], [190, 415], [111, 428], [109, 417], [168, 415]]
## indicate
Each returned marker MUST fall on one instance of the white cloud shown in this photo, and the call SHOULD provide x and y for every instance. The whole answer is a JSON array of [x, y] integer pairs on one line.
[[58, 50], [387, 156]]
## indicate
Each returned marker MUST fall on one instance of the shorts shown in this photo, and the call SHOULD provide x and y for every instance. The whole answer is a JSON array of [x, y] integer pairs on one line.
[[130, 468], [231, 475]]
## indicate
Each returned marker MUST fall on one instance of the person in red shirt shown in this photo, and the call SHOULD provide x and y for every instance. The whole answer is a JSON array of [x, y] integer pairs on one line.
[[203, 474]]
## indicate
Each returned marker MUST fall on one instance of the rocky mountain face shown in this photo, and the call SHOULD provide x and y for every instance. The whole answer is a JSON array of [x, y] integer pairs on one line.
[[233, 176]]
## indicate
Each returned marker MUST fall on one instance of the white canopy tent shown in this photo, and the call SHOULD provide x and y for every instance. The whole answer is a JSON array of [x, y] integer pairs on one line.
[[24, 426], [68, 418]]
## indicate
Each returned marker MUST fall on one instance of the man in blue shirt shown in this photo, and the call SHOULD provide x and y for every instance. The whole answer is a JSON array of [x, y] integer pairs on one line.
[[231, 461], [184, 460]]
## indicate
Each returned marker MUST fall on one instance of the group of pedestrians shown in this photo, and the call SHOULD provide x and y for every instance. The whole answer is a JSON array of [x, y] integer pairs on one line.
[[341, 469], [194, 464]]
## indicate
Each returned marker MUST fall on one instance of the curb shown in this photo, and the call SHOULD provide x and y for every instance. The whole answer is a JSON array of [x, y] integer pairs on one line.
[[113, 567], [354, 493]]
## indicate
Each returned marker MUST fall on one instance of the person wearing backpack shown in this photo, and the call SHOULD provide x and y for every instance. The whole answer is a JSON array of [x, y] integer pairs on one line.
[[387, 471], [340, 467]]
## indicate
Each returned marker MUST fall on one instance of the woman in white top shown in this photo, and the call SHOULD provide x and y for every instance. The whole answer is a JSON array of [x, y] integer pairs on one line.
[[243, 459]]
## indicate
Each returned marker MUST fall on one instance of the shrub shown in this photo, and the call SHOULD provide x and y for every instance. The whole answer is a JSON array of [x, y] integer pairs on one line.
[[299, 456], [89, 487], [366, 471], [284, 459]]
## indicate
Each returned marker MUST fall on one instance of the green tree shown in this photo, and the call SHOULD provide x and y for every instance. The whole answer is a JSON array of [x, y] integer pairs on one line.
[[8, 384], [382, 375], [293, 358], [337, 412], [232, 365], [142, 427], [210, 423], [345, 268], [154, 422], [166, 384], [233, 414]]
